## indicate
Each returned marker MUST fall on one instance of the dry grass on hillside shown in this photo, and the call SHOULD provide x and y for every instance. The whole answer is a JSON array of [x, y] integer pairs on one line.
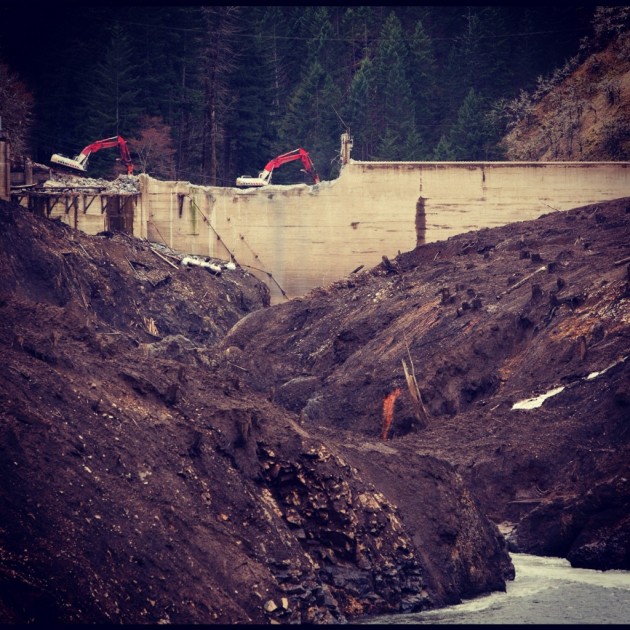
[[585, 117]]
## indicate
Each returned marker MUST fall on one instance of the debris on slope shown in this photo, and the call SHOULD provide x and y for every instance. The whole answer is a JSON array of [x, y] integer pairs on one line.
[[585, 116], [484, 320], [145, 482]]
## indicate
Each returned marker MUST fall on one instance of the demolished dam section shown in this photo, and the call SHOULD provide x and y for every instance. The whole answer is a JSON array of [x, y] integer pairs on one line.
[[298, 237]]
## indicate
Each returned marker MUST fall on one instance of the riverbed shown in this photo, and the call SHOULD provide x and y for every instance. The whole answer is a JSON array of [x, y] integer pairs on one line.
[[544, 591]]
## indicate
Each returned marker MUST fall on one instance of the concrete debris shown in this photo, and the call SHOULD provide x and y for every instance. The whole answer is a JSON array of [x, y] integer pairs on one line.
[[270, 606], [214, 265], [122, 184], [200, 262]]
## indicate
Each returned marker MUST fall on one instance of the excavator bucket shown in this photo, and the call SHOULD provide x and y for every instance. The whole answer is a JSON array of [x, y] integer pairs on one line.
[[67, 162]]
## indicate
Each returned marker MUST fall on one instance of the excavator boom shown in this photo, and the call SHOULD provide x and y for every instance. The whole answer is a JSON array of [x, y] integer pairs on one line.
[[264, 177], [79, 163]]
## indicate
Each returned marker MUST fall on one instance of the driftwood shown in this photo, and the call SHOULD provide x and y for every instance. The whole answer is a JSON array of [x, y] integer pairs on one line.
[[166, 260], [521, 282], [418, 406], [412, 384]]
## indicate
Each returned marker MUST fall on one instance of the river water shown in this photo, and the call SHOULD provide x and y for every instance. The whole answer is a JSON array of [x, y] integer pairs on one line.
[[545, 591]]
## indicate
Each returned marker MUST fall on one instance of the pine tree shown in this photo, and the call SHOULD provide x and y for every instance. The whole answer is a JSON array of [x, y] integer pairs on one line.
[[275, 65], [219, 62], [398, 138], [167, 46], [444, 150], [59, 77], [472, 136], [252, 121], [359, 27], [111, 106], [359, 111], [496, 68], [311, 120], [323, 45], [109, 101], [422, 78]]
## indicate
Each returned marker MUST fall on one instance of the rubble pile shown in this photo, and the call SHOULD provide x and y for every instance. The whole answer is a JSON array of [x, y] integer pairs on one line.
[[122, 184]]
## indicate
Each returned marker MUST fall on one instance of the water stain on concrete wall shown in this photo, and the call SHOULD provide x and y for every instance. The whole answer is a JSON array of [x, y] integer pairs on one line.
[[421, 222]]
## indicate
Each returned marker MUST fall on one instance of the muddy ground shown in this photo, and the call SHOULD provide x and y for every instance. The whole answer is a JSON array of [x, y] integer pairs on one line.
[[175, 450]]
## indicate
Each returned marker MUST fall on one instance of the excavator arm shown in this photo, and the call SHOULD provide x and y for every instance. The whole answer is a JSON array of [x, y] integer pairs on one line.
[[79, 163], [264, 177]]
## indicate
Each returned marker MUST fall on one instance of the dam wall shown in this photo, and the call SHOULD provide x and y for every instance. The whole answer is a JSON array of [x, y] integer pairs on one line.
[[299, 237]]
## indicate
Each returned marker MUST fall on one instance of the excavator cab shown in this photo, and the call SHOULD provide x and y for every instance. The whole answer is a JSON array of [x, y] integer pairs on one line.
[[249, 181], [264, 177]]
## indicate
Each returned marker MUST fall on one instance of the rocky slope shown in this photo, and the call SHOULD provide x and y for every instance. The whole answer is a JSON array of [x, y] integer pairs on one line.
[[174, 450], [144, 481], [582, 112], [517, 340]]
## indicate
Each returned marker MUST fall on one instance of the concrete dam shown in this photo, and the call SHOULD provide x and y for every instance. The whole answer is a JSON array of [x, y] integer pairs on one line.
[[299, 237]]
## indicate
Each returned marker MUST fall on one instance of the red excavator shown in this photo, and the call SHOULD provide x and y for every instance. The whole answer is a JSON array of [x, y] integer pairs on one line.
[[264, 177], [79, 163]]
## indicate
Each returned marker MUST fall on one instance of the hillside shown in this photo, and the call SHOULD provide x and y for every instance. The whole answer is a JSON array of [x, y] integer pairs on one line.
[[144, 481], [581, 113], [174, 450], [519, 341]]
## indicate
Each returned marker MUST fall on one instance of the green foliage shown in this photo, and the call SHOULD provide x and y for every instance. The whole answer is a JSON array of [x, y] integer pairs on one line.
[[444, 151], [472, 137], [254, 118], [323, 47], [110, 103], [16, 106], [311, 121], [220, 59], [423, 80], [236, 86], [359, 28], [478, 59], [394, 104], [358, 112], [167, 47]]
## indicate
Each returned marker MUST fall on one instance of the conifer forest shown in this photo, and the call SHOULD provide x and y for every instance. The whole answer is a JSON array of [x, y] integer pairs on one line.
[[207, 93]]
